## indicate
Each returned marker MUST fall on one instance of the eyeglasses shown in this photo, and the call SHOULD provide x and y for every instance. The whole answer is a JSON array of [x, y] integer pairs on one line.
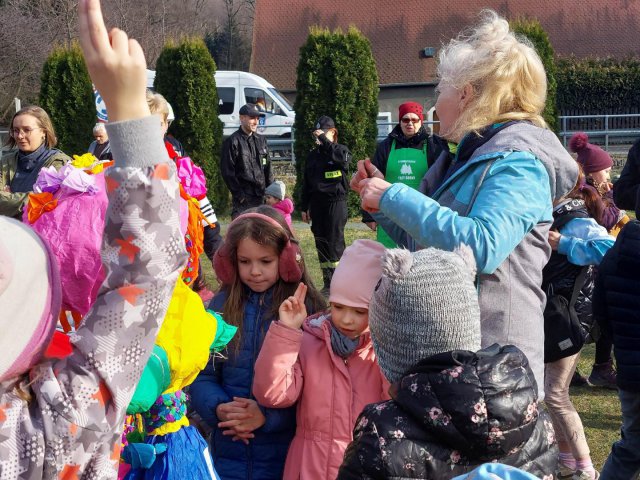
[[15, 132], [406, 121]]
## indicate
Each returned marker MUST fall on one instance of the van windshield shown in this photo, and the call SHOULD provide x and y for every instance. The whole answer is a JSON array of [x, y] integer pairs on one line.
[[281, 98]]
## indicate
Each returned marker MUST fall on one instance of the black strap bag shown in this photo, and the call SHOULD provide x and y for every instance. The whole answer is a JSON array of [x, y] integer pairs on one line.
[[564, 334]]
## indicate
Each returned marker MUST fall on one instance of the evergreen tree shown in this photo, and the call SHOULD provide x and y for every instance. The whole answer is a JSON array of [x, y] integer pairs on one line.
[[67, 96], [185, 77], [336, 76], [536, 35]]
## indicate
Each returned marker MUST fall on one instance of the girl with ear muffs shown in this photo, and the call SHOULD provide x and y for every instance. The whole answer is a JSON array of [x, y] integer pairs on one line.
[[259, 266]]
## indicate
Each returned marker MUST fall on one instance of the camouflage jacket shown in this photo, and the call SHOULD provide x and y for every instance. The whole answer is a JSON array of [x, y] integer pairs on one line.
[[71, 428], [11, 203]]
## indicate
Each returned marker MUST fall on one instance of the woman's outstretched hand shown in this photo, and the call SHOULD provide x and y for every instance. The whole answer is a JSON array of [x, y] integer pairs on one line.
[[116, 64]]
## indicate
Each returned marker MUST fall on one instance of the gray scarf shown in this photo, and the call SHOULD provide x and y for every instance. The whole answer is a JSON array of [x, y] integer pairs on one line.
[[342, 345]]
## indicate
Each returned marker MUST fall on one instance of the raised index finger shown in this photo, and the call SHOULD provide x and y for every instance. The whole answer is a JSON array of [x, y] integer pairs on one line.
[[93, 32], [300, 293]]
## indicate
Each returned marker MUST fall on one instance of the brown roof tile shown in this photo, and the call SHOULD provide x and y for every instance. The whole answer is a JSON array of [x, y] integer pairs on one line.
[[399, 30]]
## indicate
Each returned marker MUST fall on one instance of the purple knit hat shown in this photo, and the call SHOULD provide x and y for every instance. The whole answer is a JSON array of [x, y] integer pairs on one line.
[[30, 297], [591, 157]]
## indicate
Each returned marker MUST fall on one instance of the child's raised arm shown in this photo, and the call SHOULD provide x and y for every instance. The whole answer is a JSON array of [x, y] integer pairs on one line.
[[116, 64], [142, 253], [278, 378], [292, 311]]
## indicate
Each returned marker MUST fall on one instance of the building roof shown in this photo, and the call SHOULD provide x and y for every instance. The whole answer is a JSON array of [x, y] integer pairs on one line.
[[399, 30]]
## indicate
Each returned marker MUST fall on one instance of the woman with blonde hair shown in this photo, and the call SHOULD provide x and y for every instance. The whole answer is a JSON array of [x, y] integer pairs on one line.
[[32, 133], [494, 188]]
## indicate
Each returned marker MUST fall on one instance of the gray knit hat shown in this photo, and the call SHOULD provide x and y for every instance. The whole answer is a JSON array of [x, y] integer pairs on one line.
[[277, 189], [425, 303]]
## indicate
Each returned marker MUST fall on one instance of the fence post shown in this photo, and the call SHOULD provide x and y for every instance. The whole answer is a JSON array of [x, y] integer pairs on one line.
[[293, 141], [606, 132], [17, 104], [564, 130]]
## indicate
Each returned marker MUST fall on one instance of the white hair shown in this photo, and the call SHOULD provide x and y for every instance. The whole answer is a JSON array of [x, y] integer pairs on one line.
[[506, 75]]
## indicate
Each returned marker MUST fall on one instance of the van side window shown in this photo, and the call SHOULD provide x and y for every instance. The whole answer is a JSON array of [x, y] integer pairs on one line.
[[262, 100], [226, 100]]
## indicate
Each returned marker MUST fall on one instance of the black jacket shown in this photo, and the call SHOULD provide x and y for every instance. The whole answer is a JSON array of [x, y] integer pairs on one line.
[[626, 191], [245, 165], [325, 173], [616, 303], [560, 275], [450, 413], [381, 156]]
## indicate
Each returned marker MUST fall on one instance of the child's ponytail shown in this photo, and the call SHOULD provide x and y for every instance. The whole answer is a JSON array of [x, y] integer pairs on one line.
[[592, 199]]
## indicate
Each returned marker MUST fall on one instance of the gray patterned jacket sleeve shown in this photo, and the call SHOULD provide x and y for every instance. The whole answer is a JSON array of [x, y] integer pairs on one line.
[[72, 427]]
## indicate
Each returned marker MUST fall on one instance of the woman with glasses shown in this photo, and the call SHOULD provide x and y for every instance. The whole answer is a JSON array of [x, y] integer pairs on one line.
[[403, 157], [31, 132], [494, 188]]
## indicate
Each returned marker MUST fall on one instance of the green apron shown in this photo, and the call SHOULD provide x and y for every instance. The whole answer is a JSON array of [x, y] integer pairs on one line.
[[406, 166]]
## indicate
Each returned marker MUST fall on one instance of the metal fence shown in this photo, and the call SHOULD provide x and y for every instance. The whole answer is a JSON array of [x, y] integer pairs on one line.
[[610, 130]]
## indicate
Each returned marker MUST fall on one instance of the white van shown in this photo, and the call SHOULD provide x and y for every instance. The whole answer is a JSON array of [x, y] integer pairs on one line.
[[237, 88]]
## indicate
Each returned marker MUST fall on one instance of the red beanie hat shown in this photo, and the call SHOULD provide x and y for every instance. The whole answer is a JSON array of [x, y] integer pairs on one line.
[[410, 107], [591, 157]]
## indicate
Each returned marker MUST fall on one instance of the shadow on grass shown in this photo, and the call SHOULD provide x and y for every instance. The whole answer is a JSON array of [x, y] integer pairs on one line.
[[601, 421]]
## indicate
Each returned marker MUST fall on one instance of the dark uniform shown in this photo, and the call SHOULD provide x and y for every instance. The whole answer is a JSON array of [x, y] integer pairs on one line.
[[246, 169], [324, 195]]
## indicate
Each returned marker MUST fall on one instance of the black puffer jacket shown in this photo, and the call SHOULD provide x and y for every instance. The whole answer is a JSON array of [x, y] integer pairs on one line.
[[616, 303], [450, 413], [559, 275]]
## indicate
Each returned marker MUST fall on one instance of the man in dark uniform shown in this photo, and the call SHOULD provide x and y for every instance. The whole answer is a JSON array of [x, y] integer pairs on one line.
[[324, 196], [245, 163]]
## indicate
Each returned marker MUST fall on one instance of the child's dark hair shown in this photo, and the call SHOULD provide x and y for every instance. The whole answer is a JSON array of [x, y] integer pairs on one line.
[[268, 235], [590, 196]]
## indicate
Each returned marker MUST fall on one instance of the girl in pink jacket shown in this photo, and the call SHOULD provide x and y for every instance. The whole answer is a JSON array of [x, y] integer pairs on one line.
[[328, 367]]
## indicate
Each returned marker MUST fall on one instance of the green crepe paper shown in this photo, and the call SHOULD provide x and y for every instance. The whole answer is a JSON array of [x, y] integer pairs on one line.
[[224, 333], [155, 379]]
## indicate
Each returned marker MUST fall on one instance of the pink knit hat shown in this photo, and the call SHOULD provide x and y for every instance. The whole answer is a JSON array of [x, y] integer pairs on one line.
[[590, 156], [357, 274], [30, 297]]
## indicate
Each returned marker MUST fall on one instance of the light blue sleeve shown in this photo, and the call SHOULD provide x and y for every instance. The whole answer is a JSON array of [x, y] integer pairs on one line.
[[514, 197], [584, 241]]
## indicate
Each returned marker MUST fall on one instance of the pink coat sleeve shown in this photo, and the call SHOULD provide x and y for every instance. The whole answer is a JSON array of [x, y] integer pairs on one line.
[[278, 378]]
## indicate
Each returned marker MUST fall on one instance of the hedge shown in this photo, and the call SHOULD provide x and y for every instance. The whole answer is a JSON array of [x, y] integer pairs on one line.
[[67, 96], [185, 77], [598, 85], [532, 30], [336, 76]]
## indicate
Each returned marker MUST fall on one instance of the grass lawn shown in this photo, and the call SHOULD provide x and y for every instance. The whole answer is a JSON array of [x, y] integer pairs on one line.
[[598, 408]]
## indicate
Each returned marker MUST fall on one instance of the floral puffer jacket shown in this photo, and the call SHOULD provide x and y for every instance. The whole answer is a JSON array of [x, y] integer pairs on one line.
[[452, 412]]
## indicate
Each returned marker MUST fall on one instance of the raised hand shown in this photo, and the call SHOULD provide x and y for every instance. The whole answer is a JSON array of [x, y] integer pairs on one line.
[[116, 64], [371, 191], [366, 169], [292, 311]]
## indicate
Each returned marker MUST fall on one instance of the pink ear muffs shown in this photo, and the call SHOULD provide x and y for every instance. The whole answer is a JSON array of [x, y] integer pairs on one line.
[[289, 263]]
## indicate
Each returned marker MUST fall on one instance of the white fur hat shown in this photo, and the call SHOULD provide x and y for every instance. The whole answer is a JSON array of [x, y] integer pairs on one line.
[[30, 297]]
